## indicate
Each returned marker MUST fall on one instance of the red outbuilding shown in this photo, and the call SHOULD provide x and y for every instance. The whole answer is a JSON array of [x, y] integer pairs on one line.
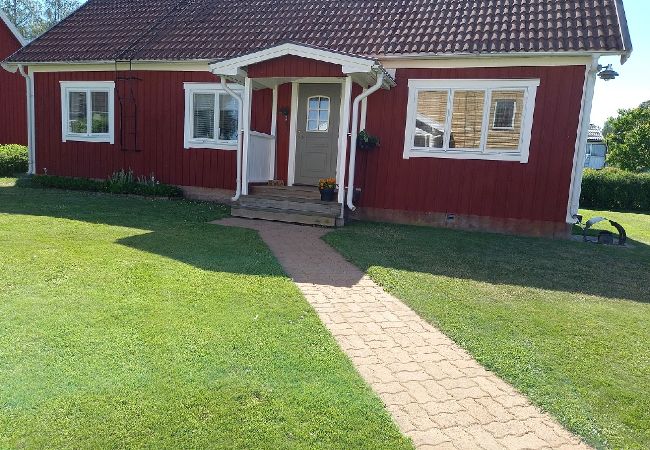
[[13, 118], [481, 109]]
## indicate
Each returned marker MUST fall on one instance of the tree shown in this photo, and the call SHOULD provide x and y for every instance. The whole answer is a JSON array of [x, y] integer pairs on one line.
[[34, 17], [628, 139]]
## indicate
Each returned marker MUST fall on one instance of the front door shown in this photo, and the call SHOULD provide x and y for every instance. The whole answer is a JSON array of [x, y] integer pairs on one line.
[[317, 132]]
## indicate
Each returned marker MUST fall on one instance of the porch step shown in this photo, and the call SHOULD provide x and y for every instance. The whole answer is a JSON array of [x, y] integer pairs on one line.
[[304, 192], [284, 215], [269, 201]]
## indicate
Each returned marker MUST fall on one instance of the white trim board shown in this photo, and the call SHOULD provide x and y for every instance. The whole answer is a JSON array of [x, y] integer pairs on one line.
[[349, 64]]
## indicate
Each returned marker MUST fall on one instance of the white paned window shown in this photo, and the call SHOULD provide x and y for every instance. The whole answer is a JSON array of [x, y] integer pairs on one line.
[[87, 111], [470, 119], [211, 116], [318, 113]]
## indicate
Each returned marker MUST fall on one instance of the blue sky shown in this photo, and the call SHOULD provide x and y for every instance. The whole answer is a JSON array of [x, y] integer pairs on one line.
[[633, 86]]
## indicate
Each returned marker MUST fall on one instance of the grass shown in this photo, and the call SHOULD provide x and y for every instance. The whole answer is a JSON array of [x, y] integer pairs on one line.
[[127, 322], [567, 323]]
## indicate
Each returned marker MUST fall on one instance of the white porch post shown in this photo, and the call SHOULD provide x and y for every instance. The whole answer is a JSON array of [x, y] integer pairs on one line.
[[274, 130], [246, 126], [344, 126]]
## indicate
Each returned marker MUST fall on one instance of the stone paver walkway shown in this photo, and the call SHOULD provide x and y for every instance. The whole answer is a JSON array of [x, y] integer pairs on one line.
[[436, 392]]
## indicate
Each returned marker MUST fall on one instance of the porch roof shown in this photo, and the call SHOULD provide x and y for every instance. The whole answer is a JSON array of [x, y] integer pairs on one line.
[[363, 70]]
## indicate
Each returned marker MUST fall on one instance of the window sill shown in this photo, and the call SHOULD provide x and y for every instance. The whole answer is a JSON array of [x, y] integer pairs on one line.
[[211, 145], [489, 156], [106, 139]]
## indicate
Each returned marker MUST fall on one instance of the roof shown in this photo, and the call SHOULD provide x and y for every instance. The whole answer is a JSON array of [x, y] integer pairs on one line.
[[9, 24], [155, 30]]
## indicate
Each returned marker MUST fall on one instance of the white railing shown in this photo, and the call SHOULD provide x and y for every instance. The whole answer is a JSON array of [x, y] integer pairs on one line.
[[261, 154]]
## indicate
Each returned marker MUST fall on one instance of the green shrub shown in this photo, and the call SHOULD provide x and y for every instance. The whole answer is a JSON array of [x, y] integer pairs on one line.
[[121, 182], [13, 159], [615, 189]]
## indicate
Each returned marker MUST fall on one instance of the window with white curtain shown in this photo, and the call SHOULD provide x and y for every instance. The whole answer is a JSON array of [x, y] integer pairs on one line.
[[87, 111], [470, 119], [211, 116]]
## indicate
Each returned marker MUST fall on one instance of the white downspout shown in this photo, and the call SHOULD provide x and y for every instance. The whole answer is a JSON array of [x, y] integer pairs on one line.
[[581, 140], [31, 137], [240, 141], [353, 138]]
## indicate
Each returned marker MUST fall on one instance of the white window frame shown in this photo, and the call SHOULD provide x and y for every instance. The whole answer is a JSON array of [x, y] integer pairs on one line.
[[206, 88], [416, 85], [512, 120], [88, 87]]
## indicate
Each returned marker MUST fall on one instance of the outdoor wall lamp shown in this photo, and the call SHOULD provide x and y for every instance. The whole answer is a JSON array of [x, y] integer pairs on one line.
[[606, 73]]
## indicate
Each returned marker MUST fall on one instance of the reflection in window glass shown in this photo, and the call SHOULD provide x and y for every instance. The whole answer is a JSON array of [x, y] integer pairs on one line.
[[99, 105], [467, 119], [430, 119], [505, 119], [228, 117], [318, 113], [77, 112]]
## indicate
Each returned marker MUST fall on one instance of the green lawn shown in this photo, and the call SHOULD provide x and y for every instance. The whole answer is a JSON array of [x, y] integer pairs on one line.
[[568, 323], [127, 322]]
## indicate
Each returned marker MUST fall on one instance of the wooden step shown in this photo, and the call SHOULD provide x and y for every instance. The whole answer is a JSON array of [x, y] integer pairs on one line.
[[308, 192], [284, 215], [290, 203]]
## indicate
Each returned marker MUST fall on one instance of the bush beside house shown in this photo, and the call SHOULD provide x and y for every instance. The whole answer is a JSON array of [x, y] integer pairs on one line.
[[13, 159], [615, 189], [121, 182]]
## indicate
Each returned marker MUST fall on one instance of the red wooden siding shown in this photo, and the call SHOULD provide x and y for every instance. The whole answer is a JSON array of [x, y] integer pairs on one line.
[[13, 103], [160, 101], [294, 66], [536, 191]]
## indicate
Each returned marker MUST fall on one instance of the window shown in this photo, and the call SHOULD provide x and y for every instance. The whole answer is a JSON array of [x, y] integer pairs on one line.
[[470, 119], [211, 116], [318, 113], [87, 111]]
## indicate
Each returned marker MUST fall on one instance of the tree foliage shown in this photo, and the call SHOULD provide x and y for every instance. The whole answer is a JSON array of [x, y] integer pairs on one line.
[[628, 139], [34, 17]]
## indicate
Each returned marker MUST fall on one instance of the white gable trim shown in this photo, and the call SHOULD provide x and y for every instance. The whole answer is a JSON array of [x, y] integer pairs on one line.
[[349, 64], [13, 28]]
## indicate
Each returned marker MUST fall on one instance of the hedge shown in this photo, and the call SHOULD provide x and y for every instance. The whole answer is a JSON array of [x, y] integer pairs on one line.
[[119, 183], [13, 159], [615, 189]]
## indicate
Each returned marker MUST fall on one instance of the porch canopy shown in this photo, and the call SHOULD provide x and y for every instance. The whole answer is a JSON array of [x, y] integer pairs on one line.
[[297, 63]]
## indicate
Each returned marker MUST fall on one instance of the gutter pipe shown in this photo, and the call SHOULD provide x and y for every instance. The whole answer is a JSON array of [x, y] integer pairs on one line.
[[240, 141], [355, 132], [31, 141]]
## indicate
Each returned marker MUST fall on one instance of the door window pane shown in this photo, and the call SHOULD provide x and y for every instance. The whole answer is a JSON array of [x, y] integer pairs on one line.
[[203, 115], [467, 120], [431, 119], [318, 113], [99, 105], [228, 118], [77, 113], [504, 132]]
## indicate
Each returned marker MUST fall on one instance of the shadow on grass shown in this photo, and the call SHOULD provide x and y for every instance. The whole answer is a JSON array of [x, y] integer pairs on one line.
[[175, 229], [557, 265]]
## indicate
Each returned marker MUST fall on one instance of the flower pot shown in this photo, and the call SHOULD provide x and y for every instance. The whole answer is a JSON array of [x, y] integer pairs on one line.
[[327, 195]]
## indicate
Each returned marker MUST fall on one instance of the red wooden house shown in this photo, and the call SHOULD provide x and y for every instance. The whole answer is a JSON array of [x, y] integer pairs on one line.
[[13, 118], [481, 106]]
